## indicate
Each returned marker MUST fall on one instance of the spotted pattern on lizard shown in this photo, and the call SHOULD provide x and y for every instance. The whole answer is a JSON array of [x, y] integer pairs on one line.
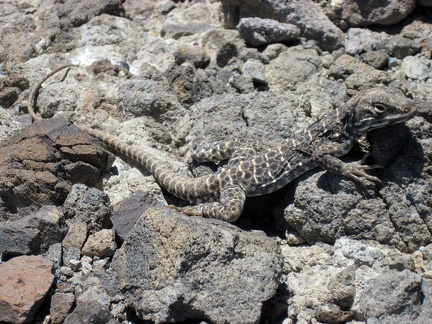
[[221, 195]]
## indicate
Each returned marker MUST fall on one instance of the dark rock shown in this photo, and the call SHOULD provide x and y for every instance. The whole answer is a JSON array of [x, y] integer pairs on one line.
[[127, 212], [354, 13], [61, 305], [10, 89], [90, 312], [25, 281], [173, 267], [33, 164], [376, 59], [401, 47], [32, 234], [88, 205], [258, 32]]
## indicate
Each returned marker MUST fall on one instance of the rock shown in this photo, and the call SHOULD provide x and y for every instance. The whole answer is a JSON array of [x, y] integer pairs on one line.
[[25, 281], [196, 19], [196, 268], [101, 244], [33, 234], [292, 68], [414, 68], [61, 305], [343, 278], [194, 54], [258, 32], [391, 292], [376, 59], [354, 72], [306, 15], [147, 98], [127, 212], [359, 40], [40, 163], [10, 89], [90, 312], [355, 13], [76, 234], [401, 47], [88, 205]]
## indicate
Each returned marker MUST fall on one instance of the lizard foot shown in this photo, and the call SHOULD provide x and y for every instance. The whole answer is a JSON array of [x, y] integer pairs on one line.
[[356, 171], [188, 210]]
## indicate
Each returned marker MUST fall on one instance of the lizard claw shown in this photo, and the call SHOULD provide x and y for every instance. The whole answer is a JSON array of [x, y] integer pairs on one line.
[[356, 171]]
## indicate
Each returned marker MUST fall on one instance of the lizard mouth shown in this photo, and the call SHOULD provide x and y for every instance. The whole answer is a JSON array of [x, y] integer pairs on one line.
[[386, 121]]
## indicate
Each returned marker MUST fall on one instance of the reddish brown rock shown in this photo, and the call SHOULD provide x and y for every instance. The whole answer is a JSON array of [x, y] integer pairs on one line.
[[24, 283], [40, 163]]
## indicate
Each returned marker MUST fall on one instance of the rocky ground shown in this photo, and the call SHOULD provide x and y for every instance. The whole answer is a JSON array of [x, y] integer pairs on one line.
[[84, 234]]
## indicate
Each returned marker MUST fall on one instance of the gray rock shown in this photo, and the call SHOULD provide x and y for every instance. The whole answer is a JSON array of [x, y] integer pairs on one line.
[[414, 68], [32, 234], [359, 40], [376, 59], [147, 98], [292, 68], [355, 73], [401, 47], [354, 13], [391, 292], [305, 14], [258, 32], [173, 267], [88, 205]]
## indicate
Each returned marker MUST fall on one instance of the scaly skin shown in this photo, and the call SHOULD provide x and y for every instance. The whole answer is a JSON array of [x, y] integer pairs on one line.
[[249, 173]]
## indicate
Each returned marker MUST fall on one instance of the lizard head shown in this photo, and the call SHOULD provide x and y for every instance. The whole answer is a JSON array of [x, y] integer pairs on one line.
[[378, 107]]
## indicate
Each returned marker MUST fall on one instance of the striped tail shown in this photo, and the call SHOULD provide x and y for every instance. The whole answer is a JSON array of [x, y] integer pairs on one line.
[[184, 188]]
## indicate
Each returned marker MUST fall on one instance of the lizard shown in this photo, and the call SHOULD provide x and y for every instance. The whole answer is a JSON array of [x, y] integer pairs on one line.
[[221, 195]]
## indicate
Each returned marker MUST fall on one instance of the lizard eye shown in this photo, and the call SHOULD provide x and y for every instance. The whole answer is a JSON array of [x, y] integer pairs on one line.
[[379, 108]]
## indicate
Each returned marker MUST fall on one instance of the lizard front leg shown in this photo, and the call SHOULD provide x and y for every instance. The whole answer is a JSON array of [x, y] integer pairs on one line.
[[325, 156]]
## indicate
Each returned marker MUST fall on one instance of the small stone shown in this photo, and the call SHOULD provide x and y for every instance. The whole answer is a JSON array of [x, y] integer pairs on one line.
[[100, 244], [66, 271], [76, 235], [24, 283], [75, 265]]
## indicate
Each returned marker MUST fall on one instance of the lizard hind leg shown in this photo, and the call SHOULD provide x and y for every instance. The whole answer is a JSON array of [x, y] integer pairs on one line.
[[230, 207]]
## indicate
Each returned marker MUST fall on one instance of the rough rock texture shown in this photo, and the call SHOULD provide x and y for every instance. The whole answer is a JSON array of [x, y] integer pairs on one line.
[[354, 13], [171, 76], [172, 267], [25, 281], [32, 234], [40, 163]]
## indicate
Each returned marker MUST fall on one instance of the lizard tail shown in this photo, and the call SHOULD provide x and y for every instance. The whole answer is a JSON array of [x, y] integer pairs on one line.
[[31, 99]]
